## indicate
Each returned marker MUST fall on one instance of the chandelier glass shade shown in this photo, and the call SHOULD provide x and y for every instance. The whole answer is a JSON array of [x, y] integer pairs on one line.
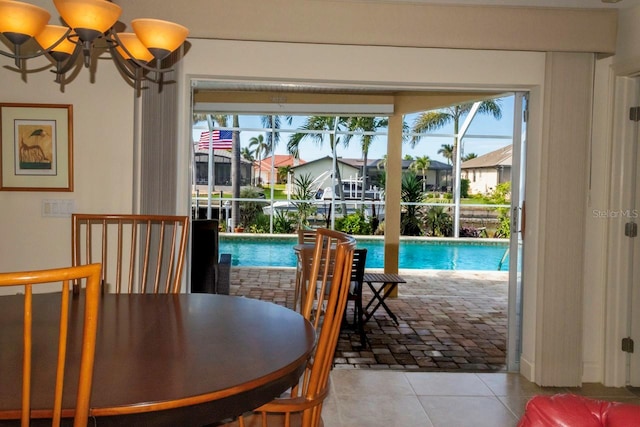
[[21, 21], [88, 21], [94, 15], [134, 48], [52, 34], [160, 37]]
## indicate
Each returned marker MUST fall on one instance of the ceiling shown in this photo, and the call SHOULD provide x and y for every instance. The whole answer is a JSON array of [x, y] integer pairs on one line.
[[578, 4]]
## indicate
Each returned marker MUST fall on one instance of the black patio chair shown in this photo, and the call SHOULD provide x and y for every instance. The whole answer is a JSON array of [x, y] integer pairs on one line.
[[355, 292]]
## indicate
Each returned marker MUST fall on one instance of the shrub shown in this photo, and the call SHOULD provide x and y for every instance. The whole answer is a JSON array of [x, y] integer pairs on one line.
[[504, 224], [468, 232], [303, 190], [249, 211], [354, 223], [439, 222], [411, 193], [501, 195], [260, 224], [283, 223], [464, 188]]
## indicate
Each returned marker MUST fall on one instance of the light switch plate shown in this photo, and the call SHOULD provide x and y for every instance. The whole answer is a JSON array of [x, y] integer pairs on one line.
[[58, 207]]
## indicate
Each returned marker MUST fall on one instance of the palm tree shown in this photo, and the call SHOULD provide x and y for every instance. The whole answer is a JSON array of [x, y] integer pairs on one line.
[[235, 170], [283, 173], [261, 151], [421, 164], [365, 124], [382, 164], [322, 125], [469, 156], [247, 154], [410, 194], [446, 151], [432, 120], [274, 123]]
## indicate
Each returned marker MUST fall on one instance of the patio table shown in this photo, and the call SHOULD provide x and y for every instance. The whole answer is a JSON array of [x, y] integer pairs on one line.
[[386, 284]]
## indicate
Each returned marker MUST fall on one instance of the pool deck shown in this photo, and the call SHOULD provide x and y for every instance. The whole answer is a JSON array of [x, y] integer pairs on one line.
[[448, 320]]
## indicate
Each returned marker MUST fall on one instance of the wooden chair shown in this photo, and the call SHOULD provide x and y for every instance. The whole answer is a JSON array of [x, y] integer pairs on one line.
[[355, 292], [62, 277], [304, 256], [324, 307], [306, 236], [138, 253]]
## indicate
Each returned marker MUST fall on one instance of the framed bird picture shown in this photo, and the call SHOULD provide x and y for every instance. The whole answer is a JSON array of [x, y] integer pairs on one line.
[[36, 147]]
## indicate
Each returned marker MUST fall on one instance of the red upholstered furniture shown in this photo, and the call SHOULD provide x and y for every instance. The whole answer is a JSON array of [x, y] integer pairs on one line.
[[570, 410]]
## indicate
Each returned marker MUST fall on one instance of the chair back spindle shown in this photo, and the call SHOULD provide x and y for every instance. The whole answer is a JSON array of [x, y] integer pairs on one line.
[[139, 253]]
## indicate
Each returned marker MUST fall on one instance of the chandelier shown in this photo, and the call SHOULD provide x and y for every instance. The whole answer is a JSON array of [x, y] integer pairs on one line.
[[89, 25]]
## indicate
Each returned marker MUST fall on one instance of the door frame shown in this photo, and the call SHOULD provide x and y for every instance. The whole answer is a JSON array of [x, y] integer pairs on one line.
[[516, 246], [625, 88]]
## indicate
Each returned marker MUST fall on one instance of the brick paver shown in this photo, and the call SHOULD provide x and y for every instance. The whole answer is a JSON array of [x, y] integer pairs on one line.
[[448, 320]]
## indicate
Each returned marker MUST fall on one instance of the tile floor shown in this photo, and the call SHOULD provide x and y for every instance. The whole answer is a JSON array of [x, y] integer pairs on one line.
[[388, 398]]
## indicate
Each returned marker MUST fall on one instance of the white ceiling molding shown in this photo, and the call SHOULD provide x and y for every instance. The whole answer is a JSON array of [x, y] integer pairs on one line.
[[285, 108], [480, 25]]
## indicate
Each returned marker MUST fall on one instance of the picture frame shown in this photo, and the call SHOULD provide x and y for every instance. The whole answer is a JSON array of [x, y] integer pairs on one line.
[[36, 147]]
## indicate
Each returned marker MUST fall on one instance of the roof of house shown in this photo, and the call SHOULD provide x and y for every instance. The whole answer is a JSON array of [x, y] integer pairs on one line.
[[348, 162], [359, 162], [279, 160], [500, 157]]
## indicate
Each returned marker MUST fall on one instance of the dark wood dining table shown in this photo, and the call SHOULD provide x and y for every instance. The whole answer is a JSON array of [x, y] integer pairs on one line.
[[161, 360]]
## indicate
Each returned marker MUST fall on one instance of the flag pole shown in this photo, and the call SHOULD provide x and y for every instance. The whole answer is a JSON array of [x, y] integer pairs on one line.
[[212, 166], [273, 160]]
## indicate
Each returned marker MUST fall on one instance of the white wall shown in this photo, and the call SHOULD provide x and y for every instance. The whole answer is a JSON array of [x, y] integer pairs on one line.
[[102, 143], [481, 181], [627, 47], [317, 168]]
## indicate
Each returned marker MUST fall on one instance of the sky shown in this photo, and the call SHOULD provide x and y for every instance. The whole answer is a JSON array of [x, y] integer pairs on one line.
[[496, 134]]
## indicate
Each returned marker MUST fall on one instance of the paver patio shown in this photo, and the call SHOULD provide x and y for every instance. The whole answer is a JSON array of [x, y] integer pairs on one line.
[[448, 320]]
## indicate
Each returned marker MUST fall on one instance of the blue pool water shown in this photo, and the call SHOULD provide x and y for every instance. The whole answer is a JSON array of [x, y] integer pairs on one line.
[[260, 251]]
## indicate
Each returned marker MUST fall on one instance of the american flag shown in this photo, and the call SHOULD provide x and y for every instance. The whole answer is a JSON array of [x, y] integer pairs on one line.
[[222, 140]]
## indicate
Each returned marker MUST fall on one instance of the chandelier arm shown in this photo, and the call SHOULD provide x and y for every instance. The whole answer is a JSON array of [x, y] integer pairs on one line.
[[122, 64], [15, 56], [155, 69]]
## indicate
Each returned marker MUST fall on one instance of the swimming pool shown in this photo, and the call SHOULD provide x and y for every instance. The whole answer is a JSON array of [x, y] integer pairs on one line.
[[421, 253]]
